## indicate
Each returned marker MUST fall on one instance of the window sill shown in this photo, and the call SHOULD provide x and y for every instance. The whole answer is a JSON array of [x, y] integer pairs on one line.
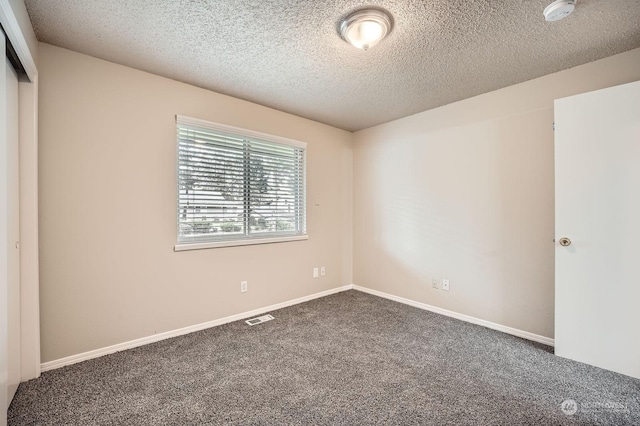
[[219, 244]]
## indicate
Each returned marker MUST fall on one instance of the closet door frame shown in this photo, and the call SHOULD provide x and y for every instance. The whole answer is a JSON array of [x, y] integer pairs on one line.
[[28, 165]]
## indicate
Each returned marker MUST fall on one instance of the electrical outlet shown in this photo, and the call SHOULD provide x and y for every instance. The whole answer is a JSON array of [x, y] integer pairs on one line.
[[445, 285], [315, 273], [434, 283], [323, 271], [244, 286]]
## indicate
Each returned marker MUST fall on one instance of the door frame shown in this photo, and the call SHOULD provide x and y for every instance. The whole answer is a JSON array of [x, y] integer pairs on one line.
[[28, 152]]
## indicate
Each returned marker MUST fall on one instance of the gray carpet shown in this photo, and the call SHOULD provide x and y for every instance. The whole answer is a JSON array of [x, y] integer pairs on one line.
[[346, 359]]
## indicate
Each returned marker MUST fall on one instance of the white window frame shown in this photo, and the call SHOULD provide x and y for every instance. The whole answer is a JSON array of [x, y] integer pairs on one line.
[[249, 134]]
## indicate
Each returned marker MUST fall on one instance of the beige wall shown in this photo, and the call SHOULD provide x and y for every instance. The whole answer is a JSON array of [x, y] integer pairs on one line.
[[466, 192], [463, 192], [108, 216]]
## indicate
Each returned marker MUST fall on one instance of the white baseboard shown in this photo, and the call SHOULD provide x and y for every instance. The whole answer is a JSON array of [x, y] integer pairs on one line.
[[473, 320], [73, 359]]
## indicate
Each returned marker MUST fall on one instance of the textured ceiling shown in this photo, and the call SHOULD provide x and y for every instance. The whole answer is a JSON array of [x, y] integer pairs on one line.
[[286, 54]]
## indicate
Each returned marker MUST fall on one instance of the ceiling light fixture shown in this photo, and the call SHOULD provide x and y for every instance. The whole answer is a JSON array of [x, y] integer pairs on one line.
[[558, 10], [366, 27]]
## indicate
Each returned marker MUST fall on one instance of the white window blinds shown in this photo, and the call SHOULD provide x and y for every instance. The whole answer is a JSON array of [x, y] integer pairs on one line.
[[236, 185]]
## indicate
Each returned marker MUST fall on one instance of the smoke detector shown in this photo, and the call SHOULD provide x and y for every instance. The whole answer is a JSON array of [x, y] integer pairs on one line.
[[558, 10]]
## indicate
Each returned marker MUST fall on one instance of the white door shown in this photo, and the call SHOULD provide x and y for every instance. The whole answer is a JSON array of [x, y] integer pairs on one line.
[[4, 241], [9, 236], [13, 232], [597, 185]]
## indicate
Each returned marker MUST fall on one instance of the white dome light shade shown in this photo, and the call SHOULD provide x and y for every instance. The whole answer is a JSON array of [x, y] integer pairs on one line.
[[365, 28]]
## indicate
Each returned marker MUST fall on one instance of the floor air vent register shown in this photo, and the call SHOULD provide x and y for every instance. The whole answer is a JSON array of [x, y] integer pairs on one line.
[[259, 320]]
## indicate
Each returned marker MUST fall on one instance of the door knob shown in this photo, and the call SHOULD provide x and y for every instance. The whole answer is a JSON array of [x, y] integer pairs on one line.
[[564, 242]]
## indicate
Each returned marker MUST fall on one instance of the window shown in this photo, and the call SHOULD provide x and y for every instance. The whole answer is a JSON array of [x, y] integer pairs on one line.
[[237, 186]]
